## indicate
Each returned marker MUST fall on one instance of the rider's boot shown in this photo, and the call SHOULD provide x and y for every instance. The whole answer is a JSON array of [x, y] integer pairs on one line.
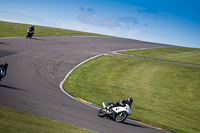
[[110, 110], [107, 110]]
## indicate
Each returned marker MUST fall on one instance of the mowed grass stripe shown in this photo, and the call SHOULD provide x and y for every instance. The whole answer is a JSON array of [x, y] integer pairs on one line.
[[178, 54], [166, 95]]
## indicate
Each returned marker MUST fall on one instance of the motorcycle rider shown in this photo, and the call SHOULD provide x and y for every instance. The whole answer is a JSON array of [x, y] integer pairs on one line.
[[3, 70], [31, 29], [122, 103]]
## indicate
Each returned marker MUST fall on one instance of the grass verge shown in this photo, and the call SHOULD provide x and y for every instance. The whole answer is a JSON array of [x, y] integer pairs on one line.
[[165, 94], [179, 54], [20, 122], [9, 29]]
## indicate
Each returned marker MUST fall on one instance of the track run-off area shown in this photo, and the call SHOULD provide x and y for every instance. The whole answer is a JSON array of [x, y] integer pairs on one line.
[[37, 67]]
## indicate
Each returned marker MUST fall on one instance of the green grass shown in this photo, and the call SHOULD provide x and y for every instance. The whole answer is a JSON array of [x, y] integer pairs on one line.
[[20, 122], [179, 54], [165, 94], [8, 29]]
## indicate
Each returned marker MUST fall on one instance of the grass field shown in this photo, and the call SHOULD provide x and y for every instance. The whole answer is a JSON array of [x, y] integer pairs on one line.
[[165, 94], [12, 121], [179, 54], [19, 30]]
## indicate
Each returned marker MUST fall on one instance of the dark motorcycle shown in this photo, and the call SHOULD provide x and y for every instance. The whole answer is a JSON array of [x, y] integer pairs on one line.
[[2, 73], [3, 69], [29, 33]]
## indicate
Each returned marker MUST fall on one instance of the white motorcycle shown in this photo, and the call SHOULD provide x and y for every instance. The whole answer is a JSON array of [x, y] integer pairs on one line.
[[119, 114]]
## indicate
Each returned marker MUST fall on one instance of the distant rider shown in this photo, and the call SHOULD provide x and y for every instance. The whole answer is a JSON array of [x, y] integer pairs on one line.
[[3, 70], [31, 30]]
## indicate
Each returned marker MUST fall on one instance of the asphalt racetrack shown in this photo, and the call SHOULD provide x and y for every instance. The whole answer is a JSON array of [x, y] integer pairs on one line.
[[36, 68]]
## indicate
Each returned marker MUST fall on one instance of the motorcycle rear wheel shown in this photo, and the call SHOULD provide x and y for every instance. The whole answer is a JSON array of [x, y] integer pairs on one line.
[[121, 117], [101, 113]]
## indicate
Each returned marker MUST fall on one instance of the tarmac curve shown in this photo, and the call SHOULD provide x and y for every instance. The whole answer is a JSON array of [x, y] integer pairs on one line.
[[37, 66]]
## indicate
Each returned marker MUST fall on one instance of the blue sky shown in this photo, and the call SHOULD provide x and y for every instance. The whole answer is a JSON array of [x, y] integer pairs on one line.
[[175, 22]]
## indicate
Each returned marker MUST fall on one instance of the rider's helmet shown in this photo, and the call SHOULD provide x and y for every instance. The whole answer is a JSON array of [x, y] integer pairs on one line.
[[32, 26], [130, 101]]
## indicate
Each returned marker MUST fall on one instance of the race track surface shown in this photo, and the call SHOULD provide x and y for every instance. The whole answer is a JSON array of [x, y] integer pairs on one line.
[[38, 65]]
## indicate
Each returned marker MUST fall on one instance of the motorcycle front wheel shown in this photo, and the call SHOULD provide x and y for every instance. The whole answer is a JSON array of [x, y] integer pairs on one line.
[[121, 117], [101, 113]]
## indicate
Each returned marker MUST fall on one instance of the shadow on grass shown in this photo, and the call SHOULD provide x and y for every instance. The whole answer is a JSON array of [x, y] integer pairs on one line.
[[13, 88]]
